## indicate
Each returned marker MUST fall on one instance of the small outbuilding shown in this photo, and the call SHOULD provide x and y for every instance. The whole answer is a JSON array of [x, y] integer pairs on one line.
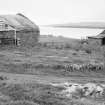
[[18, 30], [97, 40]]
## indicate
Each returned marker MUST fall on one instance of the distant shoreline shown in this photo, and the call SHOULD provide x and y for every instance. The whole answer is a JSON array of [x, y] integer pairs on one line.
[[90, 25], [79, 27]]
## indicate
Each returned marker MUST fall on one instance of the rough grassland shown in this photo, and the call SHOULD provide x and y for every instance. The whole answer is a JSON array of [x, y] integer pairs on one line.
[[26, 74], [25, 78]]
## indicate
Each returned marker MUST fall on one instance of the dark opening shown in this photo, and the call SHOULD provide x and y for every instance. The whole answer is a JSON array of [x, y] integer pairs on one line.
[[8, 41], [103, 41]]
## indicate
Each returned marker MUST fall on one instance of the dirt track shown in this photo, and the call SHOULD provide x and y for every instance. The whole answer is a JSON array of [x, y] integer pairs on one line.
[[27, 78]]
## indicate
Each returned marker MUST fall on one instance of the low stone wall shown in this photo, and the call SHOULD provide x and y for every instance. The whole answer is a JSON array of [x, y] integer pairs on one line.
[[95, 42], [28, 38]]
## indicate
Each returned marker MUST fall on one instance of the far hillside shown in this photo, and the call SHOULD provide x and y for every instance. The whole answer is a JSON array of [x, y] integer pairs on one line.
[[93, 25]]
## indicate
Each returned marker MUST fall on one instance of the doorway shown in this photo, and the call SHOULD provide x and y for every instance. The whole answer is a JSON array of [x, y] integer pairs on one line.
[[103, 41]]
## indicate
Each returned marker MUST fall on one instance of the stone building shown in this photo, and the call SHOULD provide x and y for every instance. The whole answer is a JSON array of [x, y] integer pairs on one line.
[[18, 28], [97, 40]]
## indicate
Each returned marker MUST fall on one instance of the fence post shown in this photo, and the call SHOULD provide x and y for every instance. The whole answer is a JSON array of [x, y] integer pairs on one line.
[[15, 37]]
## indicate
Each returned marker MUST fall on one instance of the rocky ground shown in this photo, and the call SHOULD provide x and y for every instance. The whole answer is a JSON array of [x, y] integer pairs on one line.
[[25, 80]]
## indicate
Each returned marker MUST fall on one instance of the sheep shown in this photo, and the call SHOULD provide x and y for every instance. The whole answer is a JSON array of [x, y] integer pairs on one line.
[[69, 68]]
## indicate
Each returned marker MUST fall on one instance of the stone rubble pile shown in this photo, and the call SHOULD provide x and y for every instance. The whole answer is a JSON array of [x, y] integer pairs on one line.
[[82, 90]]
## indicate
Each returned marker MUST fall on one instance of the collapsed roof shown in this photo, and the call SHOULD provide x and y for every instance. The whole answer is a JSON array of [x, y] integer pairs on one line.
[[99, 36], [19, 22]]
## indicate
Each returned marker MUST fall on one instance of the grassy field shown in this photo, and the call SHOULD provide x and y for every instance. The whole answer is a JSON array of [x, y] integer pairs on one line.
[[26, 74]]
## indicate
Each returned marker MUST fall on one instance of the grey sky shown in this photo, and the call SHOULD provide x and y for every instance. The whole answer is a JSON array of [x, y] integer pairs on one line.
[[56, 11]]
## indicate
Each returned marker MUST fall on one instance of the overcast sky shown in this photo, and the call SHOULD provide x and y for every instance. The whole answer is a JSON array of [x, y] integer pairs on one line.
[[56, 11]]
